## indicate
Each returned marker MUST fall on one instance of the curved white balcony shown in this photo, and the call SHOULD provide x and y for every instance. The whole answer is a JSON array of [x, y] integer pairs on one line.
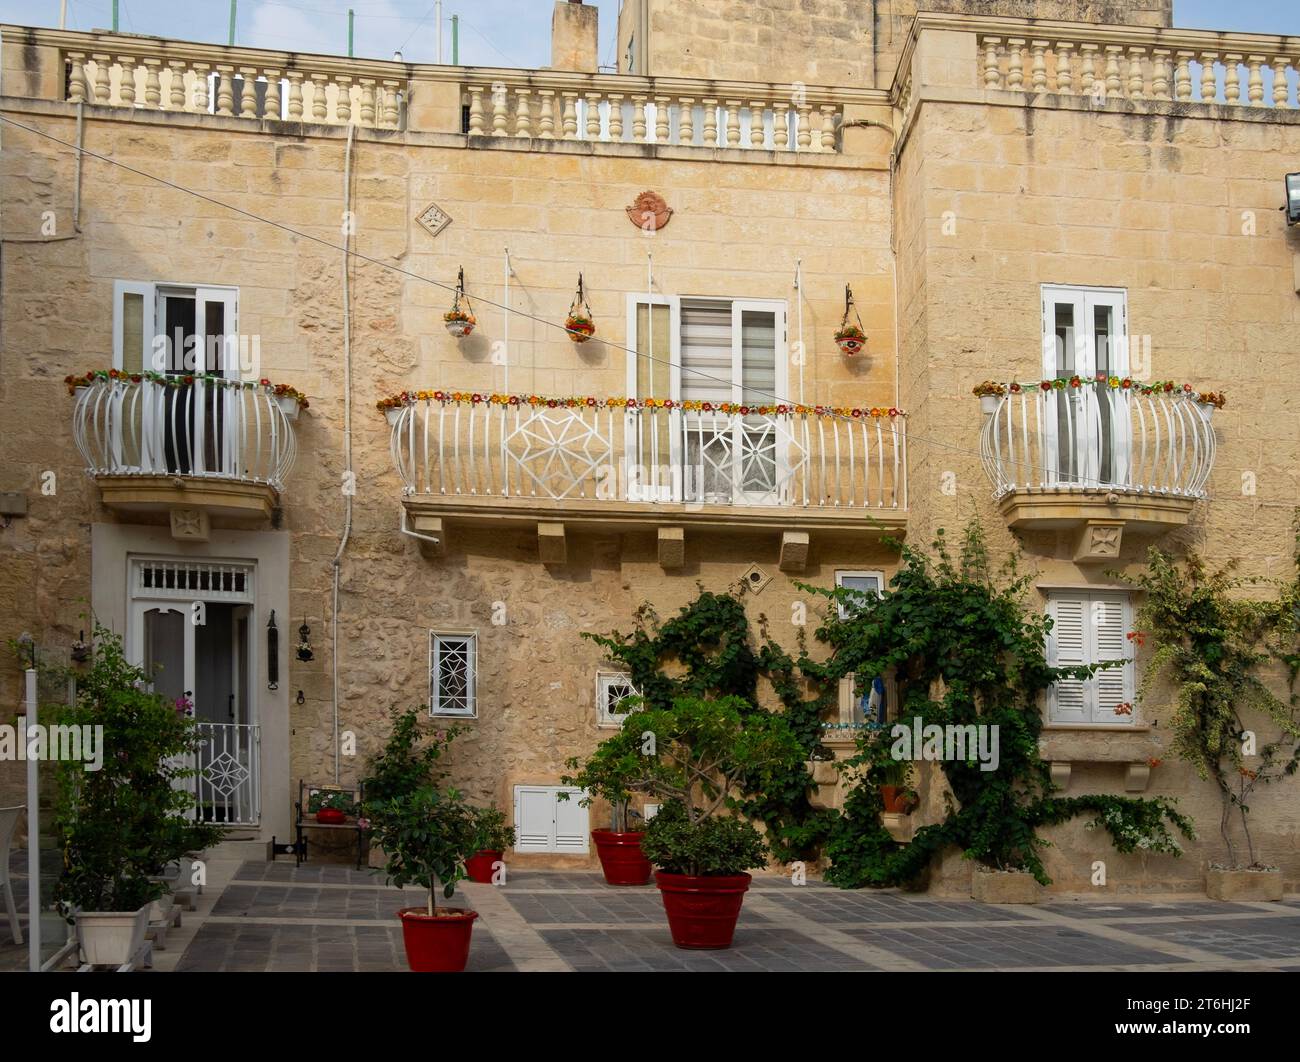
[[1093, 452], [220, 447], [649, 467]]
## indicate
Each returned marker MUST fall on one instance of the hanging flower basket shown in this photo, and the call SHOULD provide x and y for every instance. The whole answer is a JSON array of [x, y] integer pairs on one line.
[[990, 394], [850, 337], [460, 320], [580, 325]]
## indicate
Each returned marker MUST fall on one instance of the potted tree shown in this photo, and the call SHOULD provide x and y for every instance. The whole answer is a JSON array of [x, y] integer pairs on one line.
[[895, 791], [693, 756], [606, 775], [121, 824], [426, 836], [492, 836]]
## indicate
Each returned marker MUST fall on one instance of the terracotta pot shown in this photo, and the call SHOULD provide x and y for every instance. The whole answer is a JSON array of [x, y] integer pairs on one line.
[[437, 944], [702, 912], [331, 817], [895, 798], [621, 858], [479, 865]]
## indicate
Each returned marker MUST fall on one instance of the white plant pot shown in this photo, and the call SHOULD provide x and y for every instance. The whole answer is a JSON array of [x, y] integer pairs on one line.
[[459, 328], [288, 406], [990, 403], [161, 908], [392, 416], [111, 938], [1207, 408]]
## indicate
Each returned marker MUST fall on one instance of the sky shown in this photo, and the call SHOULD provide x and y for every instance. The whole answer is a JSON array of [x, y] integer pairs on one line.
[[512, 33]]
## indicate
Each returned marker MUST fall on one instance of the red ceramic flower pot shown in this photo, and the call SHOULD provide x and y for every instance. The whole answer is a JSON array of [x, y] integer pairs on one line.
[[479, 865], [621, 858], [894, 798], [331, 817], [702, 912], [437, 944]]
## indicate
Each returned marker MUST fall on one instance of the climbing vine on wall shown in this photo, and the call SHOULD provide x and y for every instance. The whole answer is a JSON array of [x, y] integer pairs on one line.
[[1211, 641], [709, 650], [964, 649]]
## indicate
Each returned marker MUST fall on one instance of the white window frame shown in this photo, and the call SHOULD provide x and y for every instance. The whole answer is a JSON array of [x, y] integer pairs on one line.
[[1080, 407], [850, 573], [605, 680], [436, 707], [1093, 714], [738, 305]]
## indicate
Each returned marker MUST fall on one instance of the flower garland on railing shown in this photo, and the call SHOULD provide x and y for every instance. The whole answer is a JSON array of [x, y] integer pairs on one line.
[[1114, 383], [690, 405], [276, 390]]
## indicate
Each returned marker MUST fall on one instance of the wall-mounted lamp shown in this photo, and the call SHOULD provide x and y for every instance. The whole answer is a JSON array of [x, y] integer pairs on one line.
[[272, 654], [304, 642], [1292, 207]]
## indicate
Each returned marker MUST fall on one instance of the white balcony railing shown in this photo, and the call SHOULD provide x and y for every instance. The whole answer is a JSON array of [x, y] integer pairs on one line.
[[227, 783], [1098, 437], [494, 446], [202, 429]]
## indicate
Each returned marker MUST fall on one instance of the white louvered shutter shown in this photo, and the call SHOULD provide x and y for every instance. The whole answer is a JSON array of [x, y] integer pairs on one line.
[[1113, 686], [534, 819], [1067, 645], [571, 829]]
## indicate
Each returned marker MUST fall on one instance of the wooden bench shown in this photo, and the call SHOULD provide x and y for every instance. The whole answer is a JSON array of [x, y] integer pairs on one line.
[[312, 797]]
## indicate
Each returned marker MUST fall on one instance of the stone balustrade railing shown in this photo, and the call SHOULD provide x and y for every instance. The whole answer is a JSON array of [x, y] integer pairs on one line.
[[626, 109], [247, 86], [1167, 66]]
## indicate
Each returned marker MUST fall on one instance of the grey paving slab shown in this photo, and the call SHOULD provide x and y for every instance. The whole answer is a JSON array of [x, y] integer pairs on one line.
[[755, 949], [1266, 937], [957, 947]]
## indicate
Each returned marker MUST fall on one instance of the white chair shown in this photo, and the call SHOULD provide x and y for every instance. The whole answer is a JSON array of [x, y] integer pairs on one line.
[[8, 820]]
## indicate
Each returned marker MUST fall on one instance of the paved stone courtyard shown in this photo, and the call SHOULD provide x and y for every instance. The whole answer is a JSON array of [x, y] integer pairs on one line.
[[258, 916]]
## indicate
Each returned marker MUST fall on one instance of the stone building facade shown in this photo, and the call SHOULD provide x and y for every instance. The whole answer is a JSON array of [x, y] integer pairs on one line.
[[1006, 199]]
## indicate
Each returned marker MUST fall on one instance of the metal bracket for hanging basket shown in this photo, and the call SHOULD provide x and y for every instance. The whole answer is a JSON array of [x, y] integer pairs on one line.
[[460, 319], [850, 337], [580, 325]]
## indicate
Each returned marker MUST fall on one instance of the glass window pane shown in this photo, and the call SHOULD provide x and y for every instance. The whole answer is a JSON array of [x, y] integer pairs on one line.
[[1103, 318], [1064, 324], [132, 331], [164, 651], [654, 351], [757, 357]]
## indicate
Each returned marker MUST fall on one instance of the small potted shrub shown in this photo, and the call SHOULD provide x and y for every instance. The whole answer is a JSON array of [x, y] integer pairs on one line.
[[851, 340], [426, 836], [493, 835], [330, 807], [895, 794], [1209, 401], [697, 755], [120, 825], [606, 775], [990, 394], [290, 400]]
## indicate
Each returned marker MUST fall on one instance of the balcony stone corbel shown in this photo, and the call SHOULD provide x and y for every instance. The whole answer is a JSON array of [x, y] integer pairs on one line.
[[432, 532], [190, 525], [1137, 776], [551, 545], [794, 551], [1098, 540], [672, 547], [1060, 771]]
